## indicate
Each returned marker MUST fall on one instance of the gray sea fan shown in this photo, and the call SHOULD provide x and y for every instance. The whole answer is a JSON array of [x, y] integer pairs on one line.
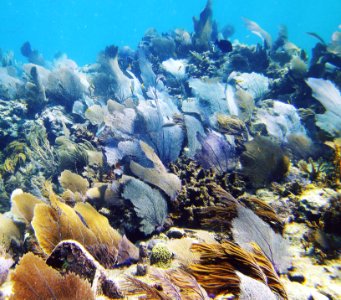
[[5, 264], [329, 96], [248, 228], [216, 152], [64, 86], [211, 96], [193, 128], [252, 289], [157, 128], [148, 203]]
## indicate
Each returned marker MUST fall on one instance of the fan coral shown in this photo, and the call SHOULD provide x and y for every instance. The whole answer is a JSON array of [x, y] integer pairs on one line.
[[203, 28], [148, 203], [264, 161], [257, 85], [158, 176], [9, 232], [23, 206], [248, 228], [51, 285], [73, 182], [329, 96], [216, 153], [257, 30]]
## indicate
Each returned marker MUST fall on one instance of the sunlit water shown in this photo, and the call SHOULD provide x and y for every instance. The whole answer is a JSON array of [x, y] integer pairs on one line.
[[82, 28]]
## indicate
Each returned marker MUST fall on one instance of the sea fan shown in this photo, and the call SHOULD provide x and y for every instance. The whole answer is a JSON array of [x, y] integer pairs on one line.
[[216, 152], [329, 96], [148, 203], [248, 228], [264, 161]]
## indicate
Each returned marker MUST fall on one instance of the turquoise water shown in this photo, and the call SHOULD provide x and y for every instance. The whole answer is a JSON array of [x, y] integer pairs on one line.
[[82, 28]]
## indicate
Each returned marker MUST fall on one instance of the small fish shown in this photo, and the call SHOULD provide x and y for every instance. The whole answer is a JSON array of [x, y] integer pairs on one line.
[[224, 45]]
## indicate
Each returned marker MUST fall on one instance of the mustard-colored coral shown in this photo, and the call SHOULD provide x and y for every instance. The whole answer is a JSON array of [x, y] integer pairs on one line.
[[23, 206], [161, 256], [8, 231], [73, 182]]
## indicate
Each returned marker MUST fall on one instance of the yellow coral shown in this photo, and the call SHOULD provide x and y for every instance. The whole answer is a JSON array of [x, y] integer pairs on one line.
[[23, 206], [8, 232], [73, 182]]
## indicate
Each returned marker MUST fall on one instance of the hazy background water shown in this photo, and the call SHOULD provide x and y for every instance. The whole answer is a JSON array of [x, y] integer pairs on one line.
[[82, 28]]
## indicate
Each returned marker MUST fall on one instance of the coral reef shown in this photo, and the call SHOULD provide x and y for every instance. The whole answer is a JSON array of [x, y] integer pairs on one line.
[[237, 145]]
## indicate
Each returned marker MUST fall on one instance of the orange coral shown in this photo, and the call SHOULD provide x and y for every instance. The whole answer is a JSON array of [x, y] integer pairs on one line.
[[34, 279]]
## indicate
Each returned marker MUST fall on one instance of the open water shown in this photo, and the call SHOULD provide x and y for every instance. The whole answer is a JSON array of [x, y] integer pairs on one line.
[[81, 28]]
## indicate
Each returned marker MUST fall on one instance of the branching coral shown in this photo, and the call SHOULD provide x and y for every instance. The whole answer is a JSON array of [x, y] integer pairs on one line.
[[202, 200], [336, 145]]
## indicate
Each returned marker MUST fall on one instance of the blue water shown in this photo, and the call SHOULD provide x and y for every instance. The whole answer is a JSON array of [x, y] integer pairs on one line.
[[82, 28]]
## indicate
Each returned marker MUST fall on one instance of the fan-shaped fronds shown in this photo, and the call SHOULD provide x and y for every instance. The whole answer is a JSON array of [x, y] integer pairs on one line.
[[34, 279]]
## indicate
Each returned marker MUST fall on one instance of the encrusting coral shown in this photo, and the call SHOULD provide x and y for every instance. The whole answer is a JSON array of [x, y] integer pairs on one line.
[[161, 256]]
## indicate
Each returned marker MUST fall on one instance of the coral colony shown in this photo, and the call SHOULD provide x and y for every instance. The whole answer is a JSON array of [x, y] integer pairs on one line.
[[192, 168]]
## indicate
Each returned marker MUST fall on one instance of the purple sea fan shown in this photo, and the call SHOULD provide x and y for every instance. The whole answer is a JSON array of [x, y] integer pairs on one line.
[[216, 152]]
